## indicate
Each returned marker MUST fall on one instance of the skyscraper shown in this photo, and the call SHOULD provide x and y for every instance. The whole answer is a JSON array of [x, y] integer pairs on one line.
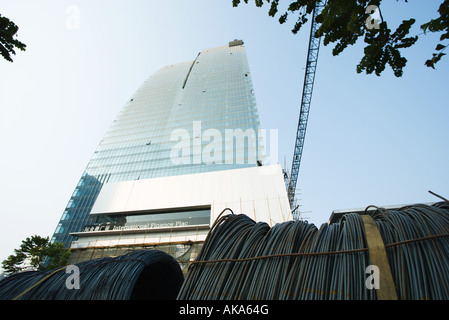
[[188, 118]]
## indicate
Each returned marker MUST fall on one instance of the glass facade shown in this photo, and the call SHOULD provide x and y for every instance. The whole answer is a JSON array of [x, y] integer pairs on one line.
[[152, 221], [190, 117]]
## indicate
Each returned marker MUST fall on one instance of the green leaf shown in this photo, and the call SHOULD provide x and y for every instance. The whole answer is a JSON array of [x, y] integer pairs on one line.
[[283, 18], [273, 8], [8, 32], [430, 63], [444, 36]]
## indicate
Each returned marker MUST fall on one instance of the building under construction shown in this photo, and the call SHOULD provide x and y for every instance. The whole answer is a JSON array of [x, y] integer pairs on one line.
[[186, 146]]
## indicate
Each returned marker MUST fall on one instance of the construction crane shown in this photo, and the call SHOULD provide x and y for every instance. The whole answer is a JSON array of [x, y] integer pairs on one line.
[[309, 78]]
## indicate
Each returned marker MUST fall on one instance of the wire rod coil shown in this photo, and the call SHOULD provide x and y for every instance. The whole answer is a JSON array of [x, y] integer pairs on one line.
[[141, 274], [242, 259]]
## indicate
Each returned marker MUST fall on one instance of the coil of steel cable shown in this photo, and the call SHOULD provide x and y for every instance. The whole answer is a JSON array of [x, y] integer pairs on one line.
[[242, 259], [142, 274]]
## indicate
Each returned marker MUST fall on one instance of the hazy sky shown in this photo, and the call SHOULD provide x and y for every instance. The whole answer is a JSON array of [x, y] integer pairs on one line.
[[370, 140]]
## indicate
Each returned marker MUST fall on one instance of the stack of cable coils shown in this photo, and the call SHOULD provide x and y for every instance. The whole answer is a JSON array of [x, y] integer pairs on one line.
[[242, 259]]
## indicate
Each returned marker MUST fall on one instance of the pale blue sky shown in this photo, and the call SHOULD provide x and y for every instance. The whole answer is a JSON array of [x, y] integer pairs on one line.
[[370, 140]]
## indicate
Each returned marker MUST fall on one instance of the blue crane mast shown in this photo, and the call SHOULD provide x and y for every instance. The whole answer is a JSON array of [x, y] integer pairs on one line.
[[309, 78]]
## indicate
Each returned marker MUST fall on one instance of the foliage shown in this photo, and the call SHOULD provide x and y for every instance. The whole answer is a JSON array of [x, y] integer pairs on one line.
[[8, 32], [33, 251], [440, 24], [343, 22], [57, 254]]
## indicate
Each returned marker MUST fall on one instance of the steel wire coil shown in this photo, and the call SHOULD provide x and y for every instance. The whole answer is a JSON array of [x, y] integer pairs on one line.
[[242, 259], [141, 274]]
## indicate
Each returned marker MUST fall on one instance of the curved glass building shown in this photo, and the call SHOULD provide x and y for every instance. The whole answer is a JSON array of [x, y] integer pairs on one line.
[[194, 117]]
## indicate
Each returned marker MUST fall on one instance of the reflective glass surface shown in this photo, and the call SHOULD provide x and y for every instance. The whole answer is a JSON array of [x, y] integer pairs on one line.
[[190, 117], [148, 221]]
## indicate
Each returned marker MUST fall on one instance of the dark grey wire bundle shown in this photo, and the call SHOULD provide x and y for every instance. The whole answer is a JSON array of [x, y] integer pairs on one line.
[[142, 274], [242, 259], [420, 269]]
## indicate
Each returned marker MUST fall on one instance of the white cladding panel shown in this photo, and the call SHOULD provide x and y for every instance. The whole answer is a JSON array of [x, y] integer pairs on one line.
[[258, 192]]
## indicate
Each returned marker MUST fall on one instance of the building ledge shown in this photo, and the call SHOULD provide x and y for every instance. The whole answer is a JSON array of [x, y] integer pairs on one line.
[[139, 230]]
